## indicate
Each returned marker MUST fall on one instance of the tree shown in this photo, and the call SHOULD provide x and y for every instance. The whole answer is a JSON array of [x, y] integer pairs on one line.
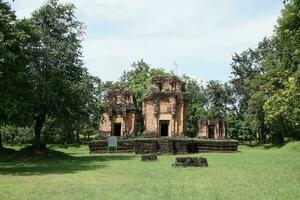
[[245, 68], [265, 80], [282, 78], [252, 86], [90, 95], [219, 99], [245, 131], [233, 125], [256, 116], [15, 84], [56, 65], [283, 111], [197, 100]]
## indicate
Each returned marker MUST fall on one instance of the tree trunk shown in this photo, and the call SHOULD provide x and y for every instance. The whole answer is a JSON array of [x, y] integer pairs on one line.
[[77, 136], [67, 136], [1, 145], [278, 138], [46, 137], [39, 123]]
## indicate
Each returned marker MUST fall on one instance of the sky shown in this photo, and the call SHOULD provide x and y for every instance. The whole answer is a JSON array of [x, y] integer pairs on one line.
[[192, 37]]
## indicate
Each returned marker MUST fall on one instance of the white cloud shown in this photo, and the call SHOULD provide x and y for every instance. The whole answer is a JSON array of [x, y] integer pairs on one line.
[[186, 31]]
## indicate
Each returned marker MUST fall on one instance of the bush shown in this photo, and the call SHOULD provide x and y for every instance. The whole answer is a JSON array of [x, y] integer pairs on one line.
[[16, 135]]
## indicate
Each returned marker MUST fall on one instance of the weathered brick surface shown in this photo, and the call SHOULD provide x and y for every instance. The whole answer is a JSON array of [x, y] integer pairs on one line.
[[100, 146], [183, 146], [168, 102], [146, 146], [165, 145], [173, 146], [120, 111], [215, 145]]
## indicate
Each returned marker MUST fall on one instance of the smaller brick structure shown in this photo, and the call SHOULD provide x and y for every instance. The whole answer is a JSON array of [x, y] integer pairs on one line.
[[190, 162], [120, 116], [211, 129]]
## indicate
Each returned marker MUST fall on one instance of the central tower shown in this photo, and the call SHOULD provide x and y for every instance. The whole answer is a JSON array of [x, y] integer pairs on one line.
[[165, 108]]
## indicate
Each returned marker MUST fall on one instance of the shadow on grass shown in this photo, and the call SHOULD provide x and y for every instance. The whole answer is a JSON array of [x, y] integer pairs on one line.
[[265, 146], [56, 163], [64, 146]]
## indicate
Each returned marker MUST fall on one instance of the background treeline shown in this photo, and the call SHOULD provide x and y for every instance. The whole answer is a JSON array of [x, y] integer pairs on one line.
[[47, 96]]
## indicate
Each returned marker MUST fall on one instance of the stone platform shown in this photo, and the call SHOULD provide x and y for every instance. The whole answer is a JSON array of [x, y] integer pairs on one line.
[[166, 146]]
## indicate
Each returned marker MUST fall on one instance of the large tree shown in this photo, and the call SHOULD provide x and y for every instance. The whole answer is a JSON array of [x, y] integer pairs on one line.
[[283, 106], [266, 80], [15, 84], [245, 69], [219, 99], [197, 101], [83, 112], [56, 65]]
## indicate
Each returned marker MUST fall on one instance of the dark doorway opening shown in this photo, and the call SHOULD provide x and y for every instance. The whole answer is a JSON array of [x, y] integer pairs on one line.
[[211, 131], [164, 128], [117, 129]]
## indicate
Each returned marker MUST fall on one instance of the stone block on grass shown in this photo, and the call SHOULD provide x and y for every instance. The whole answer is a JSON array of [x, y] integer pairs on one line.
[[190, 162], [149, 157]]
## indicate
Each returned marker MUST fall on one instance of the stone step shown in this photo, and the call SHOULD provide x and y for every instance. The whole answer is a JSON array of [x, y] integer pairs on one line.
[[163, 146]]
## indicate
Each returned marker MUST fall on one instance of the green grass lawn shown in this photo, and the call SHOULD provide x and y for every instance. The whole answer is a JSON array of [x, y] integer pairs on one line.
[[71, 173]]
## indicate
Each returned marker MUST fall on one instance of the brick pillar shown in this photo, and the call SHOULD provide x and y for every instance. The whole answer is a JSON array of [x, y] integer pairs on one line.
[[132, 123], [182, 118], [224, 129], [124, 126], [206, 130], [156, 108], [217, 130]]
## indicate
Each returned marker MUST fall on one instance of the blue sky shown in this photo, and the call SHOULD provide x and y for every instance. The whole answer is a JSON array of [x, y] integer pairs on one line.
[[199, 35]]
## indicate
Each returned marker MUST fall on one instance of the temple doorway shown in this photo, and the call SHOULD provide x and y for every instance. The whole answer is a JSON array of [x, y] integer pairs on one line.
[[211, 131], [117, 129], [164, 128]]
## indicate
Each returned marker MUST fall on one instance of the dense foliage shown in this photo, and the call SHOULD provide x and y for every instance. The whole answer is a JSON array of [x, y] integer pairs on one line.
[[266, 81], [43, 83], [15, 84]]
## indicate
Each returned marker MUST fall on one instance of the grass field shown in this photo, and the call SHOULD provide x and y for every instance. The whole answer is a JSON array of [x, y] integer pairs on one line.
[[71, 173]]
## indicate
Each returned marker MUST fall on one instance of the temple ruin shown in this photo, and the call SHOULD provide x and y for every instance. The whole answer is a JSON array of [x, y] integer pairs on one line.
[[211, 129], [164, 113], [165, 108], [119, 119]]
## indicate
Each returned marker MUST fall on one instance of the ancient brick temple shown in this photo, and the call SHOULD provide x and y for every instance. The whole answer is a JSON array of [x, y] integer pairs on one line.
[[211, 129], [165, 108], [120, 116]]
